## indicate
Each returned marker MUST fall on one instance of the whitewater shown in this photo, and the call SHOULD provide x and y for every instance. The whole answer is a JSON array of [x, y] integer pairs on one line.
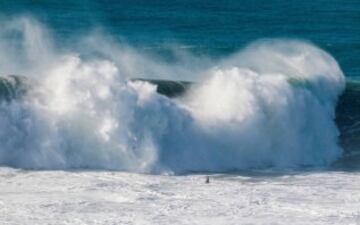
[[272, 105], [86, 139], [63, 197]]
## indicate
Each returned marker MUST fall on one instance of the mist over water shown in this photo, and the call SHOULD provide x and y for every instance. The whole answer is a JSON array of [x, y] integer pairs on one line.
[[271, 105]]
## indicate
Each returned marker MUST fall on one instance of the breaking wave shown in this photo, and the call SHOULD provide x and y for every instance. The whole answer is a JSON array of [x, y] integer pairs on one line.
[[271, 105]]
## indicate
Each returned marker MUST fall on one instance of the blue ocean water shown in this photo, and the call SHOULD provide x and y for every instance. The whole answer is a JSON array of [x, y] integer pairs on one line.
[[212, 28]]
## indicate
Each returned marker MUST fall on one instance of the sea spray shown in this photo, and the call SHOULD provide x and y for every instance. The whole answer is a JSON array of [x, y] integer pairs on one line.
[[269, 106]]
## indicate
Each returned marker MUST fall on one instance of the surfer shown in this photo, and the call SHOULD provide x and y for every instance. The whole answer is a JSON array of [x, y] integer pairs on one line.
[[207, 181]]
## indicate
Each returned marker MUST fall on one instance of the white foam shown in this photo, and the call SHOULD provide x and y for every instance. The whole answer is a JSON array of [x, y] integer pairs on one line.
[[271, 105], [61, 197]]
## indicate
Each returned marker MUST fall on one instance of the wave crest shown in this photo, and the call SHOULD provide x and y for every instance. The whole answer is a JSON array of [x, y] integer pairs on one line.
[[271, 105]]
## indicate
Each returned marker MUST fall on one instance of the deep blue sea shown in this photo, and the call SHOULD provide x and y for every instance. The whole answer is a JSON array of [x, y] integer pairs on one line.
[[212, 28]]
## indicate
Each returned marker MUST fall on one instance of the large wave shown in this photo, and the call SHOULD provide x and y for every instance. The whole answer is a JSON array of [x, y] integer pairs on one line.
[[270, 105]]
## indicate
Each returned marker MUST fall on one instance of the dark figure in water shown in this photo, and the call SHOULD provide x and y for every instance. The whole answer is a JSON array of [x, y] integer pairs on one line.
[[207, 181]]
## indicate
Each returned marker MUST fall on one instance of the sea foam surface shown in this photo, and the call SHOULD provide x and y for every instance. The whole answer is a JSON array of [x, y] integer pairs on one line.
[[60, 197]]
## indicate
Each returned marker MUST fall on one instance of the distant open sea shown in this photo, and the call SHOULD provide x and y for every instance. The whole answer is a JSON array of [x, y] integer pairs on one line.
[[214, 28]]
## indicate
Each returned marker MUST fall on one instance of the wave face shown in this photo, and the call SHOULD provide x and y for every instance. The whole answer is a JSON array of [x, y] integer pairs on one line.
[[272, 105]]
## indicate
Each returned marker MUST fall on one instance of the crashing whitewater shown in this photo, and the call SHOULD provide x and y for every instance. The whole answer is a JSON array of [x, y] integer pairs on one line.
[[271, 105]]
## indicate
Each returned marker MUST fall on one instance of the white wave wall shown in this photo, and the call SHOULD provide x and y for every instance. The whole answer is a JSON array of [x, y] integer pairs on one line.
[[269, 106]]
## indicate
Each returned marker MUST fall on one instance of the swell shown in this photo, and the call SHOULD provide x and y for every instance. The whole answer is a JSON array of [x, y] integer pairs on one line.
[[14, 87], [348, 122], [347, 110], [271, 105]]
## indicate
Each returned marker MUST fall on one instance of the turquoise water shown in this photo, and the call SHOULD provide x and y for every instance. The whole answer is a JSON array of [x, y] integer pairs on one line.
[[211, 28]]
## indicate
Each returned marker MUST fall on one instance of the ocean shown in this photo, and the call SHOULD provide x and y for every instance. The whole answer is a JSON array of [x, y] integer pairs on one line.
[[116, 112]]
